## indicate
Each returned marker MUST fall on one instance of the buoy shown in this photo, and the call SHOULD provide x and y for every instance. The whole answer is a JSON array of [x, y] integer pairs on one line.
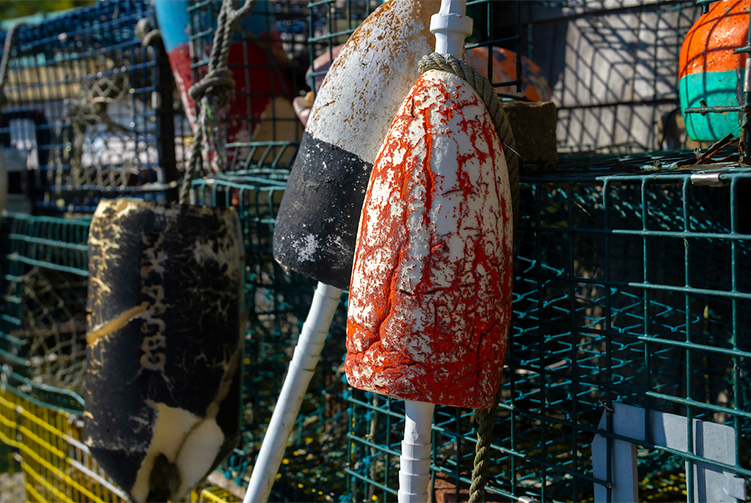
[[710, 73], [534, 84], [430, 297], [260, 83], [316, 226], [165, 328]]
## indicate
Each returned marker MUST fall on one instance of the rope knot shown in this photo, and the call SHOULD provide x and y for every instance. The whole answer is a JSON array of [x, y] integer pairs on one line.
[[218, 83]]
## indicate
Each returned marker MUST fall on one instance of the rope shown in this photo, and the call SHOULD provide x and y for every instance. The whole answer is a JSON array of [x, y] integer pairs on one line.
[[146, 32], [9, 39], [486, 91], [213, 92], [485, 417]]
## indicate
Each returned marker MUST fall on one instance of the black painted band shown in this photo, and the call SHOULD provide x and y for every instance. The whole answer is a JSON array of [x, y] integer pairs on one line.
[[316, 227]]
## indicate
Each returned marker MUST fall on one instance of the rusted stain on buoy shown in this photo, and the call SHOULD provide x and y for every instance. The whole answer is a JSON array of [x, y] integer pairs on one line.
[[166, 320]]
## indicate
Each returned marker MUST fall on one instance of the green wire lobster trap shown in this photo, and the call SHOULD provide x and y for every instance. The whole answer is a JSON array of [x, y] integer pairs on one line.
[[630, 289], [631, 295]]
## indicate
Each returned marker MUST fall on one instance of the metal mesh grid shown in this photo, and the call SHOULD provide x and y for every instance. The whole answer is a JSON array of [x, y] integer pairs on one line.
[[269, 69], [42, 318], [56, 465], [629, 288], [279, 303], [92, 106], [613, 70]]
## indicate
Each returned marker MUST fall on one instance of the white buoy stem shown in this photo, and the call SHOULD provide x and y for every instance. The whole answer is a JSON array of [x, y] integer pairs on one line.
[[414, 463], [450, 27], [301, 369]]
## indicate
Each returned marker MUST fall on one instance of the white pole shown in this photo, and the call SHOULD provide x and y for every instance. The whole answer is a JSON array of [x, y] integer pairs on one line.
[[450, 27], [301, 369], [414, 462]]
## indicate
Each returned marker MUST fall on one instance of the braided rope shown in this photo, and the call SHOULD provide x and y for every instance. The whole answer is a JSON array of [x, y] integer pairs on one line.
[[146, 32], [485, 417], [213, 92], [5, 61]]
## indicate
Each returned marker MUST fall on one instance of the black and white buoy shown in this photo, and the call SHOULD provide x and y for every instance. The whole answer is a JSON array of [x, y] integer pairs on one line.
[[165, 328]]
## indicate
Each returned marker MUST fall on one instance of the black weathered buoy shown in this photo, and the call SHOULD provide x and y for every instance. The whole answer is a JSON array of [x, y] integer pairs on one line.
[[317, 222], [165, 327]]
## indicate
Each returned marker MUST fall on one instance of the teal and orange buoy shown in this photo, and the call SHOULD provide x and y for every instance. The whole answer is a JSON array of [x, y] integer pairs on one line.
[[710, 72]]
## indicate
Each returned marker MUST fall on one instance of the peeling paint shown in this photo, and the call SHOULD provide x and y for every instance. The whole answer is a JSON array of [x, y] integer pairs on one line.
[[430, 297]]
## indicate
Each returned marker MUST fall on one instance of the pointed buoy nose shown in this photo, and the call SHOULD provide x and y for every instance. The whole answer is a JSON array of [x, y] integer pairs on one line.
[[317, 222], [166, 319], [430, 298]]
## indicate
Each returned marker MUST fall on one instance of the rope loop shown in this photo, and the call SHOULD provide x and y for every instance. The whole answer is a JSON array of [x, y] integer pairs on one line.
[[213, 92], [218, 84], [146, 32]]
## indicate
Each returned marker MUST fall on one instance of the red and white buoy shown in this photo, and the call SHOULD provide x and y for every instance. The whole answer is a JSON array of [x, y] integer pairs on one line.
[[430, 297]]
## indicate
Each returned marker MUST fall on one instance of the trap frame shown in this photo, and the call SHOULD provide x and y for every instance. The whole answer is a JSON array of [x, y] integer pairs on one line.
[[90, 109], [602, 315]]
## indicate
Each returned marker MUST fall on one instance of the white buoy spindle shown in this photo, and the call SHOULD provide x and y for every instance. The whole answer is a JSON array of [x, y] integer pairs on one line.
[[301, 369], [414, 462], [450, 27]]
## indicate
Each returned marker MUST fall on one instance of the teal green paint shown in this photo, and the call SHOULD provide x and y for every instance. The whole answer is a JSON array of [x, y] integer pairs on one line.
[[718, 89]]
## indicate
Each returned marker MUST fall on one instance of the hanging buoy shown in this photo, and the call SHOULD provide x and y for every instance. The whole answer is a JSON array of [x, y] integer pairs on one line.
[[260, 83], [316, 228], [534, 84], [711, 74], [430, 297], [165, 327], [430, 300]]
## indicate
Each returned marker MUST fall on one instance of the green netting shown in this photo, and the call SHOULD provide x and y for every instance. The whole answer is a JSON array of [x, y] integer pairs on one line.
[[632, 285], [42, 319], [628, 288], [279, 303]]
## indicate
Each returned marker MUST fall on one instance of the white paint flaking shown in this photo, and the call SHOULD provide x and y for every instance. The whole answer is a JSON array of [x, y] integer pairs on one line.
[[369, 79]]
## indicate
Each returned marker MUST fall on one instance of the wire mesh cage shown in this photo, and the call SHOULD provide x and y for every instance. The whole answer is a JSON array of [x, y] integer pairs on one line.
[[613, 69], [629, 289], [88, 110], [42, 326], [278, 304], [631, 295]]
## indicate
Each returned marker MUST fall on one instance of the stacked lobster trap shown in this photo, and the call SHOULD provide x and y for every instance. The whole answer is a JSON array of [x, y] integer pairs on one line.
[[631, 293]]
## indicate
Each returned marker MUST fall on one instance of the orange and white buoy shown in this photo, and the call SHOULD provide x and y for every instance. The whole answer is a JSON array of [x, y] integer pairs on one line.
[[430, 296]]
